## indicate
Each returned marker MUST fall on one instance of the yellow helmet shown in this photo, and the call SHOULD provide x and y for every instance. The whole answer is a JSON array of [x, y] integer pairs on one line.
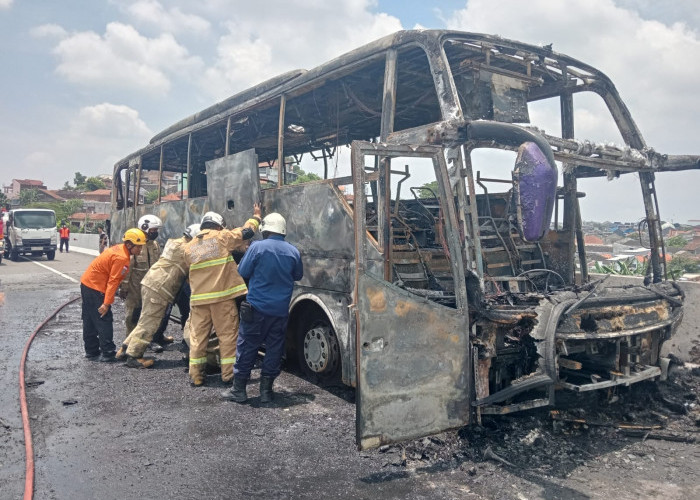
[[136, 236]]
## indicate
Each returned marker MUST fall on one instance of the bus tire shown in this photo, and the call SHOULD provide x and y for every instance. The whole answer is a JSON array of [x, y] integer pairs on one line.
[[51, 255], [317, 349]]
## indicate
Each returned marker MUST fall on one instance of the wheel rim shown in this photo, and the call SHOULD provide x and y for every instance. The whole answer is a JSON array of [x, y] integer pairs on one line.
[[320, 349]]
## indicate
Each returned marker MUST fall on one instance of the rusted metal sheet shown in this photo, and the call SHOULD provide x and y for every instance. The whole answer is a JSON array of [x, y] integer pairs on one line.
[[414, 364], [233, 186]]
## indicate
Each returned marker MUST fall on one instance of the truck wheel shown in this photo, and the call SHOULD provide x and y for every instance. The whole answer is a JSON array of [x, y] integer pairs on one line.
[[6, 252], [14, 255], [51, 255], [318, 350]]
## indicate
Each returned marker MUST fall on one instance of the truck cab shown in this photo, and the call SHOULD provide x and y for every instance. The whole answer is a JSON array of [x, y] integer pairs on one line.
[[30, 231]]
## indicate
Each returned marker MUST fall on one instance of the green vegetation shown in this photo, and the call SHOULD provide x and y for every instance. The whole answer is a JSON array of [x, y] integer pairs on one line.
[[681, 264], [152, 196], [303, 176], [676, 241], [628, 267], [432, 186], [28, 196], [63, 209]]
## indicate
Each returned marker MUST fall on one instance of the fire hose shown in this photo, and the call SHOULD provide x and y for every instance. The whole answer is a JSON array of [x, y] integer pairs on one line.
[[29, 449]]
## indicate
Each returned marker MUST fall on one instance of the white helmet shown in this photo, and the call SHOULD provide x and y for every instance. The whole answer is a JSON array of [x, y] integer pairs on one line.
[[149, 222], [274, 223], [213, 217], [191, 231]]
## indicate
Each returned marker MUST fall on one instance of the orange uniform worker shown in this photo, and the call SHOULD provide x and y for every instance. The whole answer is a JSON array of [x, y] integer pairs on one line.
[[98, 285], [215, 284]]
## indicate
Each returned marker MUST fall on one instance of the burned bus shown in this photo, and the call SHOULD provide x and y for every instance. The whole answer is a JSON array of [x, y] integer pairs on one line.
[[441, 290]]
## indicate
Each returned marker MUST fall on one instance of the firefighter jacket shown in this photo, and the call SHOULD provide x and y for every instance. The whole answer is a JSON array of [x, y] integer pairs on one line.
[[213, 272], [107, 271], [140, 264], [165, 277]]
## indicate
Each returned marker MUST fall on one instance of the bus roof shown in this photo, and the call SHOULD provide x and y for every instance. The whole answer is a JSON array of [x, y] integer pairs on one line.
[[290, 81]]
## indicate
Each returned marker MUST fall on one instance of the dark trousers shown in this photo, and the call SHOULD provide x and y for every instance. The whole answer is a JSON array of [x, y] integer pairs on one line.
[[269, 330], [64, 241], [98, 331]]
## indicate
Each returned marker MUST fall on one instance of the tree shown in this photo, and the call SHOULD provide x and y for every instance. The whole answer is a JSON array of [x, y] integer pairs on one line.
[[303, 176], [3, 200], [681, 264], [151, 196], [67, 186], [94, 183], [79, 179], [677, 241], [28, 196], [63, 209], [432, 186]]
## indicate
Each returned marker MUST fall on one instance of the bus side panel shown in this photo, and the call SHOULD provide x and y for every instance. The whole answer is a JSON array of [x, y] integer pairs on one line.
[[233, 186], [320, 225]]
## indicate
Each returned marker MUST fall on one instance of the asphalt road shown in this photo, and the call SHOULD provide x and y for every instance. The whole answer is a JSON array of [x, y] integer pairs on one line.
[[109, 432]]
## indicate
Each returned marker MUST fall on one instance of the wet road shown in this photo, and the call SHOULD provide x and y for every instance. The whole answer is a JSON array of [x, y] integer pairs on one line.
[[110, 432], [106, 431]]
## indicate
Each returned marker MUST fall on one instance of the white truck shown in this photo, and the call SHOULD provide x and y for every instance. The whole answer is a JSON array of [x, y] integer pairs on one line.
[[30, 231]]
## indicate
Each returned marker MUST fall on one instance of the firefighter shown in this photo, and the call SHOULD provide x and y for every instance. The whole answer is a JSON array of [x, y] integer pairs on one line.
[[159, 288], [271, 267], [98, 285], [140, 264], [215, 284]]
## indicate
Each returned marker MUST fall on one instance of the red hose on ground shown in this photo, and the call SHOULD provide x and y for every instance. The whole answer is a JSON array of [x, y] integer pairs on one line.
[[29, 449]]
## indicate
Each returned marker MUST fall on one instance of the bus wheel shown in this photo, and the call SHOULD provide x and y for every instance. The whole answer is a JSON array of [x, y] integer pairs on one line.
[[317, 345]]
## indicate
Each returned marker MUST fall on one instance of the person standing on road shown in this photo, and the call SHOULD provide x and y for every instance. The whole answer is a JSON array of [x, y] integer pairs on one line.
[[64, 234], [140, 264], [98, 285], [159, 288], [104, 239], [215, 284], [271, 267]]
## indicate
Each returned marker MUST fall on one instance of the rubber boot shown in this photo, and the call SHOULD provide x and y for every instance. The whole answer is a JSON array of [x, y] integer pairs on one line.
[[121, 353], [197, 375], [266, 394], [132, 362], [237, 393]]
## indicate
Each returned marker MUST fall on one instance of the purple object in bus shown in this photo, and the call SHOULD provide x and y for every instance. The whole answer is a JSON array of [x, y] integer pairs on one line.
[[535, 187]]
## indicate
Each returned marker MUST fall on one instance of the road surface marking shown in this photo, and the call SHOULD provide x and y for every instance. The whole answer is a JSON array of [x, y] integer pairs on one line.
[[52, 270]]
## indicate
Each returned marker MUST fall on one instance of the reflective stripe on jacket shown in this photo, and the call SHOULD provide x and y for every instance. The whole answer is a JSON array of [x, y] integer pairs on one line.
[[108, 270], [213, 272], [165, 277], [140, 264]]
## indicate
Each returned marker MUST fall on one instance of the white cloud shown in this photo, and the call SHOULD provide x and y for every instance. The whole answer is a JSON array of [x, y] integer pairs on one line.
[[172, 20], [288, 35], [123, 58], [5, 4], [109, 121], [652, 63], [93, 140], [48, 31]]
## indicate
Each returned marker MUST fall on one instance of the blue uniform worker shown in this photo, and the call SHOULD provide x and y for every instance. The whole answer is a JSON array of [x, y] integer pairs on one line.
[[271, 267]]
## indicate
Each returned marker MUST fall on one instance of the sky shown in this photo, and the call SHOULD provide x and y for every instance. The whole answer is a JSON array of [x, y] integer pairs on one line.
[[85, 83]]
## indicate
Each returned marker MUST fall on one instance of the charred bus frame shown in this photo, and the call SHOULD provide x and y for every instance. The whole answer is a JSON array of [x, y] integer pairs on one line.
[[449, 303]]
